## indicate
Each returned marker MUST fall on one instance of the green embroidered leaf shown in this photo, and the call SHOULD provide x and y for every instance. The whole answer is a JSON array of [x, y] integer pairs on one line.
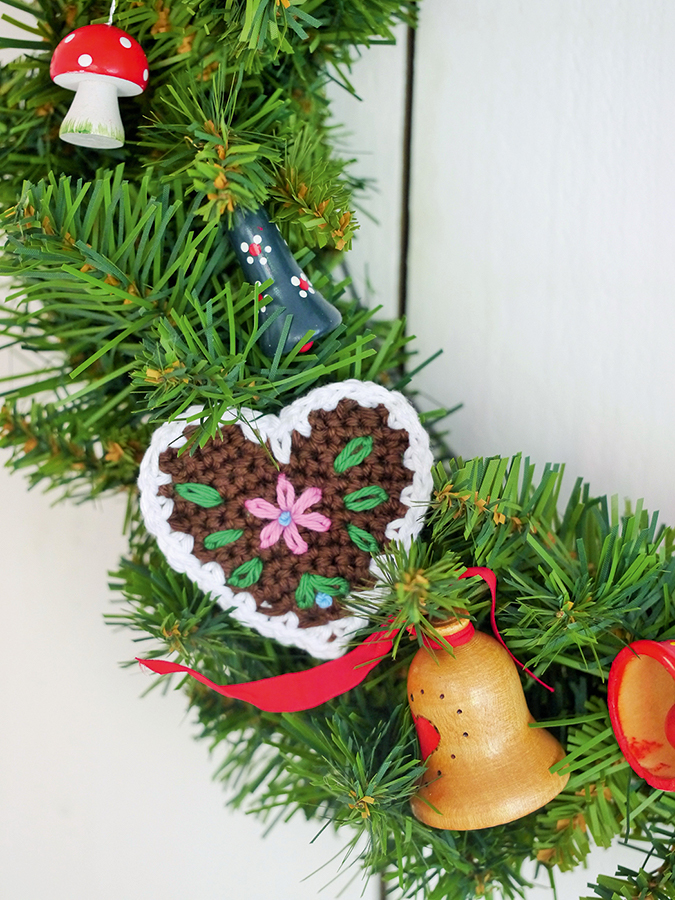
[[201, 494], [363, 539], [246, 574], [366, 498], [311, 584], [333, 586], [304, 592], [221, 538], [353, 454]]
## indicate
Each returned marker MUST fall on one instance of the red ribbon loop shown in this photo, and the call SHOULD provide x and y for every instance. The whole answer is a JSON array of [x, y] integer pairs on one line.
[[490, 579]]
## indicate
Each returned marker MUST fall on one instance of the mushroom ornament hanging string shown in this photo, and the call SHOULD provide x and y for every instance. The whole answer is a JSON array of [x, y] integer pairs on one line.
[[101, 63]]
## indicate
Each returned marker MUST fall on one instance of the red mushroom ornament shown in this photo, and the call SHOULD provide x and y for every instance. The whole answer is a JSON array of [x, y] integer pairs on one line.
[[100, 63]]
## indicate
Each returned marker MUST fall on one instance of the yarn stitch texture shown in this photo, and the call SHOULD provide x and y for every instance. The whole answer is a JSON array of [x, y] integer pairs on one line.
[[215, 512]]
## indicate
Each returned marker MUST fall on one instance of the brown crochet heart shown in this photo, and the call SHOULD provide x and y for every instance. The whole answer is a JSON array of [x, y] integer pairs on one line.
[[281, 517], [347, 521]]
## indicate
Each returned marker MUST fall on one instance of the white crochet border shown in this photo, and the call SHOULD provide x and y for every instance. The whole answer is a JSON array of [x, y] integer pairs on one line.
[[322, 641]]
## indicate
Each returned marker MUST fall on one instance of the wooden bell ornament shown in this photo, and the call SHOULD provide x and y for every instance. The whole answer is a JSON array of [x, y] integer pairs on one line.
[[485, 765], [641, 700]]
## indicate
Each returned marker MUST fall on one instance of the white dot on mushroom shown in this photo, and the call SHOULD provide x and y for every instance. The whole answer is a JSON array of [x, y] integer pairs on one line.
[[69, 38], [125, 42], [244, 246], [84, 60], [145, 74]]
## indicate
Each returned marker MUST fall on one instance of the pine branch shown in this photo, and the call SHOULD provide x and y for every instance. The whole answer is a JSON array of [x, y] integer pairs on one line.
[[579, 584], [129, 292], [629, 884], [324, 763]]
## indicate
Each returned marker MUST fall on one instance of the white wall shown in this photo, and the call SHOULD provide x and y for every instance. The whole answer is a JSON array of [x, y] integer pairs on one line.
[[541, 260], [542, 246], [372, 124]]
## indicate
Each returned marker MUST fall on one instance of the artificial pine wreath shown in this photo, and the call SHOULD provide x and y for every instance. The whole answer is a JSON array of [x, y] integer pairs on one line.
[[127, 278]]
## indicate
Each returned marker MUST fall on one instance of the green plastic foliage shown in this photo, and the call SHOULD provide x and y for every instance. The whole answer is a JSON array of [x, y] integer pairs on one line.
[[149, 314], [127, 272], [244, 51], [574, 585], [124, 282], [655, 883], [353, 761], [323, 26], [225, 152]]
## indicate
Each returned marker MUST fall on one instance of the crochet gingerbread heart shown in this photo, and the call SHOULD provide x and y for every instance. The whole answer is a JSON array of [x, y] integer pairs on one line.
[[282, 517]]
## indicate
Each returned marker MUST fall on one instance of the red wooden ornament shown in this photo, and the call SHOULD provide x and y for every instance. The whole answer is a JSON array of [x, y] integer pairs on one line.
[[641, 700], [100, 63]]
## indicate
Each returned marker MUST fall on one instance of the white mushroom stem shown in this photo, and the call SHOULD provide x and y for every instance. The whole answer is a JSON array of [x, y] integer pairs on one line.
[[93, 119]]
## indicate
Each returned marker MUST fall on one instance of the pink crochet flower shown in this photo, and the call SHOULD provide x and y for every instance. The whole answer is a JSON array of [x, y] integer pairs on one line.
[[287, 517]]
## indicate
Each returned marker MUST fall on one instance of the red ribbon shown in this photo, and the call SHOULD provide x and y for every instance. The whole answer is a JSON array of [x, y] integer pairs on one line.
[[297, 691], [491, 580]]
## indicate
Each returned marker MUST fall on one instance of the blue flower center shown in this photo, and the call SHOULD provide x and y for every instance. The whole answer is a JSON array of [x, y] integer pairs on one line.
[[323, 600], [285, 518]]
